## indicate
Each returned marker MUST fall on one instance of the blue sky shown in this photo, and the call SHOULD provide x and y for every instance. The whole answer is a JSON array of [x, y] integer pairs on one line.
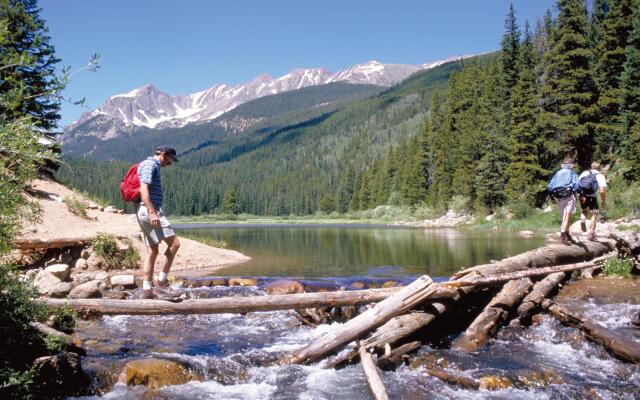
[[190, 45]]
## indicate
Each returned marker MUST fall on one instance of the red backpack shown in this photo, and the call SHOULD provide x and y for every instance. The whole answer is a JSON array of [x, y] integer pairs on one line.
[[130, 185]]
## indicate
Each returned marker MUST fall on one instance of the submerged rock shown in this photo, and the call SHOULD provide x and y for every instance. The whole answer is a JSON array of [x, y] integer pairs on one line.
[[495, 382], [243, 282], [284, 286], [155, 373]]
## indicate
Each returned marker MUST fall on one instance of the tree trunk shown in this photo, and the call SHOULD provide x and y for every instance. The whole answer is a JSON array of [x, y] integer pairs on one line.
[[621, 347], [373, 375], [225, 304], [58, 243], [554, 254], [396, 356], [541, 291], [397, 304], [496, 312]]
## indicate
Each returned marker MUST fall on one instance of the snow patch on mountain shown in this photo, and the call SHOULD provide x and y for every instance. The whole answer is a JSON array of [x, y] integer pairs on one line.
[[149, 107]]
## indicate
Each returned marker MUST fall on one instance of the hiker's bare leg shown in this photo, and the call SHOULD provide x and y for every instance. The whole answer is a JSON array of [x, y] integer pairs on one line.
[[594, 221], [173, 245], [566, 221], [149, 262]]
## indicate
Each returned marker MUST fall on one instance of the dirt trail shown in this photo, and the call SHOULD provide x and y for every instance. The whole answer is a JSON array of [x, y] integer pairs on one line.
[[58, 222]]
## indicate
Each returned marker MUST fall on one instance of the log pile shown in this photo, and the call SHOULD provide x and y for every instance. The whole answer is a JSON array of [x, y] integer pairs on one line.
[[399, 318]]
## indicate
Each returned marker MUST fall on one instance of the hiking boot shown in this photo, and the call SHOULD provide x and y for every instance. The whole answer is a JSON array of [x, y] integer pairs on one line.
[[583, 226], [147, 294], [164, 292], [591, 236], [564, 238], [570, 238]]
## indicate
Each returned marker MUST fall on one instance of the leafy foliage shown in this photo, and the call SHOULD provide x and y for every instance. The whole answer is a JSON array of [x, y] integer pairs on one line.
[[106, 246], [621, 267]]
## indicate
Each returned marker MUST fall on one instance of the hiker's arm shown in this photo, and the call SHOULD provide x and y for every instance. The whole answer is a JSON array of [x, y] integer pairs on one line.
[[603, 196], [146, 199]]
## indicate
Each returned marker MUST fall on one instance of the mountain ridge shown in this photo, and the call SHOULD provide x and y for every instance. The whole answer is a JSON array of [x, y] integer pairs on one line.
[[149, 107]]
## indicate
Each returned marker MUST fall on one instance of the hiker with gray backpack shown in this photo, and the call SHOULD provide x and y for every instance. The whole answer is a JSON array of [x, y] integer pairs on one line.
[[590, 183], [562, 188]]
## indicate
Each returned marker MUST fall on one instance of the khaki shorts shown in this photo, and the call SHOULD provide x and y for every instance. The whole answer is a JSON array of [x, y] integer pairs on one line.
[[567, 205], [153, 235]]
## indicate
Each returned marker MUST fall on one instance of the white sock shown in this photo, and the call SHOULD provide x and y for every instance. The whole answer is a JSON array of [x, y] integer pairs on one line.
[[146, 285], [162, 277]]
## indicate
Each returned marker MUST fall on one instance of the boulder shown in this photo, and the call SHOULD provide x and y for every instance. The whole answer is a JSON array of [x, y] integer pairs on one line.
[[95, 261], [60, 376], [243, 282], [204, 282], [85, 254], [81, 263], [495, 382], [357, 285], [126, 281], [111, 209], [59, 270], [284, 286], [389, 284], [490, 217], [526, 233], [88, 290], [45, 282], [155, 373], [61, 289], [31, 274]]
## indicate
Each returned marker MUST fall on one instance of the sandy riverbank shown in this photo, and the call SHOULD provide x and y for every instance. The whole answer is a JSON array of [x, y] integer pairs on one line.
[[58, 222]]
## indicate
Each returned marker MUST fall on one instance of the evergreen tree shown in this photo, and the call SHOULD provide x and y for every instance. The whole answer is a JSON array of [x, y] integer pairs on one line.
[[524, 170], [616, 27], [413, 188], [28, 85], [510, 55], [345, 191], [568, 91], [229, 205], [630, 98], [490, 173], [599, 11]]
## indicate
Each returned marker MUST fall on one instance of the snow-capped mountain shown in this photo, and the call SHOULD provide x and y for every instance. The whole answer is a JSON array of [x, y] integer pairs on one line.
[[149, 107]]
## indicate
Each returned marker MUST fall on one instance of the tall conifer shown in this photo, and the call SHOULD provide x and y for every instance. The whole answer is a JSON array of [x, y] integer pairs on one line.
[[568, 92], [616, 27], [630, 98]]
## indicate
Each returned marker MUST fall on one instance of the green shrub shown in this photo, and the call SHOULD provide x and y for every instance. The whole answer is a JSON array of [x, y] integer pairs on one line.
[[521, 209], [106, 246], [63, 319], [76, 207], [460, 204], [618, 267], [209, 241]]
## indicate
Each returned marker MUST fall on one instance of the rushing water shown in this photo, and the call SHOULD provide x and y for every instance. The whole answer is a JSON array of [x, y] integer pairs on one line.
[[234, 353]]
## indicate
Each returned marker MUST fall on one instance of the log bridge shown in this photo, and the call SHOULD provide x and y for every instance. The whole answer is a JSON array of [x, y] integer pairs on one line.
[[522, 286]]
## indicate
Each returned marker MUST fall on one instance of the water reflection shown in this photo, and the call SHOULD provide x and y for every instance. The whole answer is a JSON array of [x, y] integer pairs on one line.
[[322, 251]]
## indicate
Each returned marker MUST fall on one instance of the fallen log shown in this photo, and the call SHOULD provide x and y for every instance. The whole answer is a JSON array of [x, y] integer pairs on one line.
[[387, 334], [225, 304], [554, 254], [57, 243], [397, 304], [450, 377], [623, 348], [529, 273], [496, 312], [373, 375], [540, 291], [396, 356]]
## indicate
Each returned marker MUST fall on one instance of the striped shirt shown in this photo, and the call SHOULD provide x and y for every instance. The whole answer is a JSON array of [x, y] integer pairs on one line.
[[149, 173]]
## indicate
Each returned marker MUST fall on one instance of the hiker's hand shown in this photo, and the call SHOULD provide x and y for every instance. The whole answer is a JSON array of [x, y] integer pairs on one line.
[[155, 220]]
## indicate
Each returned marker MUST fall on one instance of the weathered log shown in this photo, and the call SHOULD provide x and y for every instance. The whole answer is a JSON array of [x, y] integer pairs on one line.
[[623, 348], [224, 304], [373, 375], [540, 291], [451, 377], [392, 331], [57, 243], [528, 273], [496, 312], [554, 254], [397, 304], [396, 356]]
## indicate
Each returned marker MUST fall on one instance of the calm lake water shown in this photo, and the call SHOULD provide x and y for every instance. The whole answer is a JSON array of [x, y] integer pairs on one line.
[[314, 251]]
